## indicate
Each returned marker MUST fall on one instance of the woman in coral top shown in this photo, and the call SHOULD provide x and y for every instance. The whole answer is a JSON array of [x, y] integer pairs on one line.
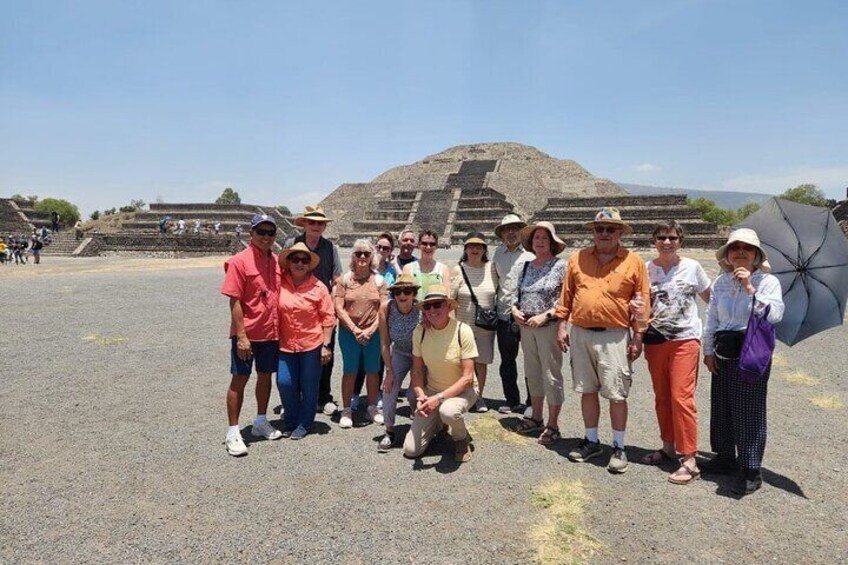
[[307, 319]]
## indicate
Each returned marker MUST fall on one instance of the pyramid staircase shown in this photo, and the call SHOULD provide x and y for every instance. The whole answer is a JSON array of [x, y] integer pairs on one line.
[[12, 220], [463, 205], [570, 215]]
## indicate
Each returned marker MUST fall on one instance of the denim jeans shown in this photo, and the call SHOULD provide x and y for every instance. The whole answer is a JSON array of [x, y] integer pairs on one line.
[[298, 378], [401, 365]]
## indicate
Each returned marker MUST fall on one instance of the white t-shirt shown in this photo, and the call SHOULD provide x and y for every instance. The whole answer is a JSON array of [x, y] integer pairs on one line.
[[674, 311]]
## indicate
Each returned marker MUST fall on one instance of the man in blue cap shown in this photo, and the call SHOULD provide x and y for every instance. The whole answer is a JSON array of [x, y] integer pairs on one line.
[[251, 281]]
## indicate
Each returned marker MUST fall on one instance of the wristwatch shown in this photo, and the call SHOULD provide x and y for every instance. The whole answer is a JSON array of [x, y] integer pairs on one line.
[[549, 316], [441, 397]]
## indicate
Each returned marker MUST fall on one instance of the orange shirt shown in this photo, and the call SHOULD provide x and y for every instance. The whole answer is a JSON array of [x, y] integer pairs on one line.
[[252, 277], [596, 296], [304, 312]]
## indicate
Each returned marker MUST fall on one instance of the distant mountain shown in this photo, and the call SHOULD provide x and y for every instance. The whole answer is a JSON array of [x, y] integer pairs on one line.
[[724, 199]]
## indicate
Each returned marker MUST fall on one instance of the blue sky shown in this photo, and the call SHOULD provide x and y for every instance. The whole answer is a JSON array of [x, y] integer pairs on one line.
[[102, 101]]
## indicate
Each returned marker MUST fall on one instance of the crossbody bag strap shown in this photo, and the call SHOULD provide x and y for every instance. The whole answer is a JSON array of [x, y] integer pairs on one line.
[[468, 284], [521, 280]]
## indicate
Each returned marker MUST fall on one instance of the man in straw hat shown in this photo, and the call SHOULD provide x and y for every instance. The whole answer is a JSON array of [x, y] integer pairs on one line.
[[445, 347], [251, 281], [314, 222], [596, 293], [507, 255]]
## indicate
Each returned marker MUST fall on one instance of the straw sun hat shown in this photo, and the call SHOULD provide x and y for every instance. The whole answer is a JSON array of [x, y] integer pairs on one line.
[[299, 247]]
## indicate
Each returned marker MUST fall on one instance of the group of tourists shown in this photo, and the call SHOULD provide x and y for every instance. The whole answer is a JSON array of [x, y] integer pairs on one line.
[[19, 249], [400, 314]]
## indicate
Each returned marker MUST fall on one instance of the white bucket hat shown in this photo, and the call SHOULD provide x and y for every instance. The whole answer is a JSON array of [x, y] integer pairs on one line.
[[744, 235]]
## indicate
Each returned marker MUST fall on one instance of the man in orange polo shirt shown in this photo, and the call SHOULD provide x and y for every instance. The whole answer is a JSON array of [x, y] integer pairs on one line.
[[252, 281], [600, 283]]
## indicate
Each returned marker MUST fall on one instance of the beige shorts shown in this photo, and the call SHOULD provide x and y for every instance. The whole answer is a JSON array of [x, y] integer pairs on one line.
[[599, 362], [485, 341]]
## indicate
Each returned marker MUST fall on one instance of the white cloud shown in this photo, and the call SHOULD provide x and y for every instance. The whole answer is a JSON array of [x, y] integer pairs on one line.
[[646, 168], [832, 180]]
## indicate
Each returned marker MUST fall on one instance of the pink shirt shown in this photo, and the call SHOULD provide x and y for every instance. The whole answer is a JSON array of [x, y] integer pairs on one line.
[[252, 277], [304, 312]]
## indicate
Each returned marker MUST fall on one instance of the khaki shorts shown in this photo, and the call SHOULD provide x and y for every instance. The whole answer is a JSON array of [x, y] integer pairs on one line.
[[599, 362], [485, 341]]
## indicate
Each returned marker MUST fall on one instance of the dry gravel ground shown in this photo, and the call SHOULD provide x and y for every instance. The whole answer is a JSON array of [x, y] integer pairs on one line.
[[114, 373]]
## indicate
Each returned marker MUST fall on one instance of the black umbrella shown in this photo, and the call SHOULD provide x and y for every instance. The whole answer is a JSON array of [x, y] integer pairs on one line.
[[808, 253]]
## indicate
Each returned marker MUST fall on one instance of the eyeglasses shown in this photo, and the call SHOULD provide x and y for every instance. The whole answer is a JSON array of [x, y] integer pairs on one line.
[[262, 231], [302, 259], [360, 254], [433, 305], [404, 291], [427, 243], [671, 238], [605, 229], [384, 248]]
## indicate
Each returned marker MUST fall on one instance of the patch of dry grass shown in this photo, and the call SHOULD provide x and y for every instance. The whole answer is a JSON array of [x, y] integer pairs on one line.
[[779, 362], [561, 537], [801, 378], [827, 402], [104, 340], [489, 428]]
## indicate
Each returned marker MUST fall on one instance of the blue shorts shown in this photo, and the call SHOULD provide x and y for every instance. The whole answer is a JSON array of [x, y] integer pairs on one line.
[[356, 355], [264, 352]]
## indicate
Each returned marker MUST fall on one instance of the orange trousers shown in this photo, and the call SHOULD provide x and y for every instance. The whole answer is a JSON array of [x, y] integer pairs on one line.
[[674, 372]]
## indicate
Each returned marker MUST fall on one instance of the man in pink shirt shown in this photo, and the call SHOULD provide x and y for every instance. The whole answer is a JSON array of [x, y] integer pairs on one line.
[[252, 282]]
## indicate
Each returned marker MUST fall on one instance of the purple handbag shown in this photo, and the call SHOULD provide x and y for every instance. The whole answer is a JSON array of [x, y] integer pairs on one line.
[[757, 348]]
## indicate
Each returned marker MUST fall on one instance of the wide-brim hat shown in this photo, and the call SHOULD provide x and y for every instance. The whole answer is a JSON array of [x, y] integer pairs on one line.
[[527, 236], [509, 220], [314, 213], [436, 293], [475, 237], [299, 247], [609, 215], [405, 281], [744, 235]]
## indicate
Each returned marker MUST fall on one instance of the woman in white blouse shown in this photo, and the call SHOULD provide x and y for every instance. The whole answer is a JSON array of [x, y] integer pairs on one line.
[[673, 347], [475, 268], [738, 408]]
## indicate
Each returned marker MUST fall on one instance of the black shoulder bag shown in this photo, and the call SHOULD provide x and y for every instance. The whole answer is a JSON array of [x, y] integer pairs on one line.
[[485, 318]]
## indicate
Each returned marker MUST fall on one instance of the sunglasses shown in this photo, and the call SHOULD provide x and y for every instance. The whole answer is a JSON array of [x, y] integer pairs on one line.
[[433, 305], [605, 229], [263, 231], [315, 223], [302, 259], [427, 244], [404, 291], [671, 238], [740, 247], [360, 254], [383, 248]]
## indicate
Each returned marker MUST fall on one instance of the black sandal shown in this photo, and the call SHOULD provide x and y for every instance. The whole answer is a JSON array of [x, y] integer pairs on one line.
[[549, 436], [527, 425]]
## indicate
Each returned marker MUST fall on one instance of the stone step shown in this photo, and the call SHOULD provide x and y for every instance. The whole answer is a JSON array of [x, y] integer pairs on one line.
[[618, 201], [628, 213], [640, 226], [482, 193], [483, 214], [394, 204], [483, 203], [704, 241], [391, 215], [379, 225]]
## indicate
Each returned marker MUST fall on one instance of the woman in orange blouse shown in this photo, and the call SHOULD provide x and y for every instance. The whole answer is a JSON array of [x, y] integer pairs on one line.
[[307, 319]]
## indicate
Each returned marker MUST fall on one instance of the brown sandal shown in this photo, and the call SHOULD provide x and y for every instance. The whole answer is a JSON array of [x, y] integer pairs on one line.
[[655, 457], [527, 425], [549, 435], [688, 475]]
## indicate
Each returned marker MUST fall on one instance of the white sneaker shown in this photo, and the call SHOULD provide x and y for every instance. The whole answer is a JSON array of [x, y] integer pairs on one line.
[[480, 405], [235, 445], [374, 415], [528, 413], [346, 421], [266, 430], [330, 408]]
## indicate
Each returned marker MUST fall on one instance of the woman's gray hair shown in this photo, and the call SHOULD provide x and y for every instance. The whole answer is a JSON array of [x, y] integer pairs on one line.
[[364, 245]]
